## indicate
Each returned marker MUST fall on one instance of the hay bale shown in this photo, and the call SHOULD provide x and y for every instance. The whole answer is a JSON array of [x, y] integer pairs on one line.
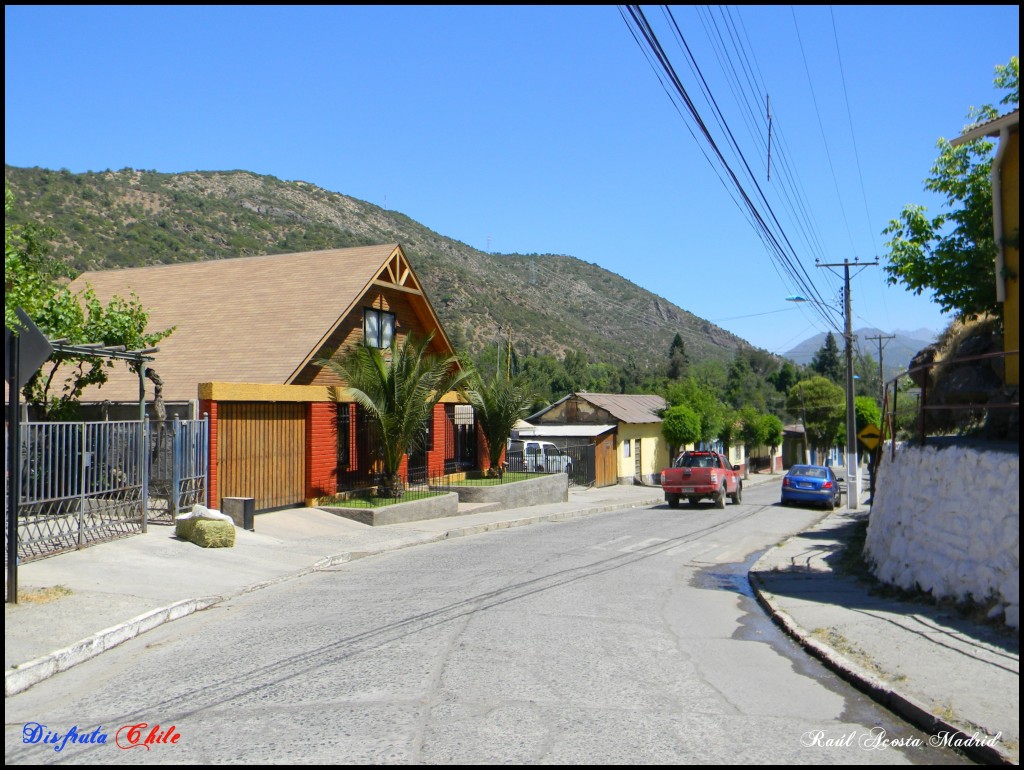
[[183, 528], [207, 533]]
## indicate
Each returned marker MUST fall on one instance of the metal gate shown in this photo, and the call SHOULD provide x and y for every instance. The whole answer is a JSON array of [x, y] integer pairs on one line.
[[178, 466], [84, 482], [261, 453]]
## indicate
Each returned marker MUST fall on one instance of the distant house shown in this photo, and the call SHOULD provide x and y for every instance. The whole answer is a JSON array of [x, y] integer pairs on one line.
[[247, 334], [1006, 224], [794, 446], [624, 429]]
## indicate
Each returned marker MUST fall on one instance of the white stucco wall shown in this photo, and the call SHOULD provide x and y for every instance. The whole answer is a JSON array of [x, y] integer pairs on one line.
[[947, 521]]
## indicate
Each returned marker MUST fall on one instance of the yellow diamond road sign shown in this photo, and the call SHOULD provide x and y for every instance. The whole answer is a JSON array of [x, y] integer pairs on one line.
[[870, 436]]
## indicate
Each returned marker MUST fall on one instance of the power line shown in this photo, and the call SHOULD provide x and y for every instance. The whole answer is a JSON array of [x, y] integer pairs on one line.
[[882, 340], [766, 223], [821, 128]]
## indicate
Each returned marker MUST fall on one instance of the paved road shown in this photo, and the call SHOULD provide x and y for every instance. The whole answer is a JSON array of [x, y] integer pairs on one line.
[[626, 637]]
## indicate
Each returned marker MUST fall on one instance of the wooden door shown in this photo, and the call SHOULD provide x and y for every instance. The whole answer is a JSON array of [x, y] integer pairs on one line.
[[261, 453], [606, 472]]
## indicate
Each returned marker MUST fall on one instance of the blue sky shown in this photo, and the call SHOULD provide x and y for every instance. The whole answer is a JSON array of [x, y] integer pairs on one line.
[[536, 129]]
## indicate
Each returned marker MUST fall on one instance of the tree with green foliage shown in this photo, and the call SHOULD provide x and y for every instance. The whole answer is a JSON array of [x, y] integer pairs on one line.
[[729, 433], [785, 378], [499, 403], [952, 255], [749, 380], [702, 400], [398, 388], [753, 431], [677, 358], [867, 377], [827, 361], [771, 429], [759, 430], [742, 386], [680, 425], [866, 412], [821, 405], [711, 374], [31, 282]]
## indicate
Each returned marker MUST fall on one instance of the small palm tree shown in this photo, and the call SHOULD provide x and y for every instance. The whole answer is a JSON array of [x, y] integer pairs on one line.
[[399, 392], [498, 403]]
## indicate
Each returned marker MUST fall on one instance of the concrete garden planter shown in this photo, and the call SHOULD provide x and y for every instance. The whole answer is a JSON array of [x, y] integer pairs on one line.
[[415, 510], [552, 488]]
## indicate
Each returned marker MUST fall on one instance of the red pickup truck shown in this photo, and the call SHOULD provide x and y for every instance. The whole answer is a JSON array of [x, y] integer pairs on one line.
[[696, 475]]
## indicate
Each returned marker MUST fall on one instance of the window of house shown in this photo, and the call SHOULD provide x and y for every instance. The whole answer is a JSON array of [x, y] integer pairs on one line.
[[378, 327], [625, 448], [344, 436]]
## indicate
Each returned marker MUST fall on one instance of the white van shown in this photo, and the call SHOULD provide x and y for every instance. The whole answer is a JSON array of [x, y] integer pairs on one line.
[[539, 456]]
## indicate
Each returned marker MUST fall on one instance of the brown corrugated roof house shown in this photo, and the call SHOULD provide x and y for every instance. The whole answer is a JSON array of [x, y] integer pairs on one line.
[[625, 431], [247, 334]]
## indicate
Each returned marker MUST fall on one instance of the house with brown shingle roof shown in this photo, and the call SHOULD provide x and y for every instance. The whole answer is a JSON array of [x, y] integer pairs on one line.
[[625, 431], [247, 334]]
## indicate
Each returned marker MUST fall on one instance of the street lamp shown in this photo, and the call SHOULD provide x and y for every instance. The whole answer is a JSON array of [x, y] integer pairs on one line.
[[852, 464]]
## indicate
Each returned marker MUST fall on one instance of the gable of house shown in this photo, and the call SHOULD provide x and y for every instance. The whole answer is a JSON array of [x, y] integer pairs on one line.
[[601, 409], [640, 451], [264, 319]]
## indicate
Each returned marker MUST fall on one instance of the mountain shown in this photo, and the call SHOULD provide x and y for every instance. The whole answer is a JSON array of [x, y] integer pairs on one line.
[[896, 353], [551, 303]]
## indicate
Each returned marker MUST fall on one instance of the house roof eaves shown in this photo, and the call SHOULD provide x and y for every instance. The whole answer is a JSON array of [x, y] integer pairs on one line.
[[990, 128]]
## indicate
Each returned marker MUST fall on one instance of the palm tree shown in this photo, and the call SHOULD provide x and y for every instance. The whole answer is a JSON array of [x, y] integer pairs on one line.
[[498, 403], [399, 392]]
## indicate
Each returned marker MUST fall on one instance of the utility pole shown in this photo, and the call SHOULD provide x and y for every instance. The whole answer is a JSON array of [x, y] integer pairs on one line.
[[852, 464], [881, 369]]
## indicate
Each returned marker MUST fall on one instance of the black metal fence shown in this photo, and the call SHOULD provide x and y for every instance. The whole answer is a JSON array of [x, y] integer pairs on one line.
[[576, 461]]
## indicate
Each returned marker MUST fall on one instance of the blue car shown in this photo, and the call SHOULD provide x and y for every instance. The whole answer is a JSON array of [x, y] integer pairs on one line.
[[815, 484]]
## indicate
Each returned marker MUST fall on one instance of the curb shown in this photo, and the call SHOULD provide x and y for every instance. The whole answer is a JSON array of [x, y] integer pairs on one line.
[[902, 705], [25, 675]]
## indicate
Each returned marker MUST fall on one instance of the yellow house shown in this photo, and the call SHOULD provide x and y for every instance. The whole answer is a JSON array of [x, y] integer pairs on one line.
[[1006, 224], [631, 429]]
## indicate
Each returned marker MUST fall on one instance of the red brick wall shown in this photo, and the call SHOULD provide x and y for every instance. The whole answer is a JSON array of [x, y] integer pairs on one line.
[[210, 408], [321, 450], [440, 435]]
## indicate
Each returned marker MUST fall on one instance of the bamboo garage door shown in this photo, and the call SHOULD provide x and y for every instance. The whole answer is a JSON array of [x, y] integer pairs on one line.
[[261, 453]]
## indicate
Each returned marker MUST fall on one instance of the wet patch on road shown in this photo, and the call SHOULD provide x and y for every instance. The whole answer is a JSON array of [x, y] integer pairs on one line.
[[755, 625]]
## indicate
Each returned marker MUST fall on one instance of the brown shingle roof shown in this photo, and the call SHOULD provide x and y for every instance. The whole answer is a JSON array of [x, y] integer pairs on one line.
[[249, 319]]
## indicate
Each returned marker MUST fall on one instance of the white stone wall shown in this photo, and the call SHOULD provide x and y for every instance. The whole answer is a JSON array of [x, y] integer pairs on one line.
[[947, 521]]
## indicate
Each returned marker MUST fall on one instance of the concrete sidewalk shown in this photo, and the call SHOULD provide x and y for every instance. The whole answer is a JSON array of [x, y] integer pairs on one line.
[[954, 679], [948, 676]]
